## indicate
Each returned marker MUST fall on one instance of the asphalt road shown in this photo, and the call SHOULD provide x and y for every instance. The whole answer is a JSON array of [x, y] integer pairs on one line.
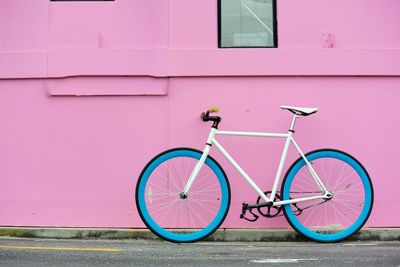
[[39, 252]]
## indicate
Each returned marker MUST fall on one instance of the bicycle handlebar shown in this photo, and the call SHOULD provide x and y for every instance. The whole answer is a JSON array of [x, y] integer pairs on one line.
[[205, 116]]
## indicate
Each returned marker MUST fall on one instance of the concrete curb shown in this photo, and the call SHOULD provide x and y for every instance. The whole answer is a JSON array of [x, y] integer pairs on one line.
[[367, 234]]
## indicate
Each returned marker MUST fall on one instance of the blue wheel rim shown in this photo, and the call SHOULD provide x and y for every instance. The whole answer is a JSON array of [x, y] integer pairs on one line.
[[363, 215], [183, 237]]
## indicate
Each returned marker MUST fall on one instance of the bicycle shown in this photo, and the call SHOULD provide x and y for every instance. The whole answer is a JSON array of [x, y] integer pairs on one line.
[[183, 194]]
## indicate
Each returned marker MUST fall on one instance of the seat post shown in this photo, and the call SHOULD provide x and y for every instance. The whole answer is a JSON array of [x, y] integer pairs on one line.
[[295, 117]]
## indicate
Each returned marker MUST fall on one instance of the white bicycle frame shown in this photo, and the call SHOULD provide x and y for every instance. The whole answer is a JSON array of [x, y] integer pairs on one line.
[[289, 139]]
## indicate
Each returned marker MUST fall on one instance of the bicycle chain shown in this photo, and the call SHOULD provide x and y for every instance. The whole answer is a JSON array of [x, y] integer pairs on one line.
[[279, 208]]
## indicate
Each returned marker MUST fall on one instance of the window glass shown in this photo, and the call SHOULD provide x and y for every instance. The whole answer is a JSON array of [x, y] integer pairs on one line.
[[247, 23]]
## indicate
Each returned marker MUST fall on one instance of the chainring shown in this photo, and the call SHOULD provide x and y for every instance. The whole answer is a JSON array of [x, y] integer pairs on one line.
[[268, 211]]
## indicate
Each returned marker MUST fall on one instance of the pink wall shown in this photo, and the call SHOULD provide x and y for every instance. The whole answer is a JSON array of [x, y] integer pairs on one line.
[[89, 92]]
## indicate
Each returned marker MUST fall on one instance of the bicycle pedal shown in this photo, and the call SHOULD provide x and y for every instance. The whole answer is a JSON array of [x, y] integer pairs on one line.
[[245, 208]]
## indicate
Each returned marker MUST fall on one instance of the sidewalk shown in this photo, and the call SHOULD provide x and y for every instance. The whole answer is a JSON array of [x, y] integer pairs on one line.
[[250, 235]]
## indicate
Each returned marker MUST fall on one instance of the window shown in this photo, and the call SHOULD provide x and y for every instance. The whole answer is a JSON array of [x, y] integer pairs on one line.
[[247, 23]]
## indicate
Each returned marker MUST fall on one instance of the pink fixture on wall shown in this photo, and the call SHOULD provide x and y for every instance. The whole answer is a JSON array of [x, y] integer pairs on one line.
[[327, 40]]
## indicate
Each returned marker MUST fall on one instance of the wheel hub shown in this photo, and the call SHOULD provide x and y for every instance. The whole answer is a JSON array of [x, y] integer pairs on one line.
[[183, 195], [328, 196]]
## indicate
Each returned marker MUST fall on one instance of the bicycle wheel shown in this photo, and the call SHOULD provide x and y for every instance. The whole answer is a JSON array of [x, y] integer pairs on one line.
[[339, 217], [172, 217]]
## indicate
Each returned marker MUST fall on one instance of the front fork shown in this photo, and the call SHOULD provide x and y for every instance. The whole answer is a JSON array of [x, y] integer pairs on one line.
[[184, 194]]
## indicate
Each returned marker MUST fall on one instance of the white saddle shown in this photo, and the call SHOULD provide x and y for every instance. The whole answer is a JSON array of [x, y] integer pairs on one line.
[[300, 111]]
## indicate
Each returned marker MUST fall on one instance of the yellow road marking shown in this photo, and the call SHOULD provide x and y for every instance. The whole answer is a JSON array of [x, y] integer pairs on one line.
[[61, 248]]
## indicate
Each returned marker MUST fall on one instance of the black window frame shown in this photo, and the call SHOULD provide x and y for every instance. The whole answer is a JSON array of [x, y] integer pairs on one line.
[[275, 28]]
